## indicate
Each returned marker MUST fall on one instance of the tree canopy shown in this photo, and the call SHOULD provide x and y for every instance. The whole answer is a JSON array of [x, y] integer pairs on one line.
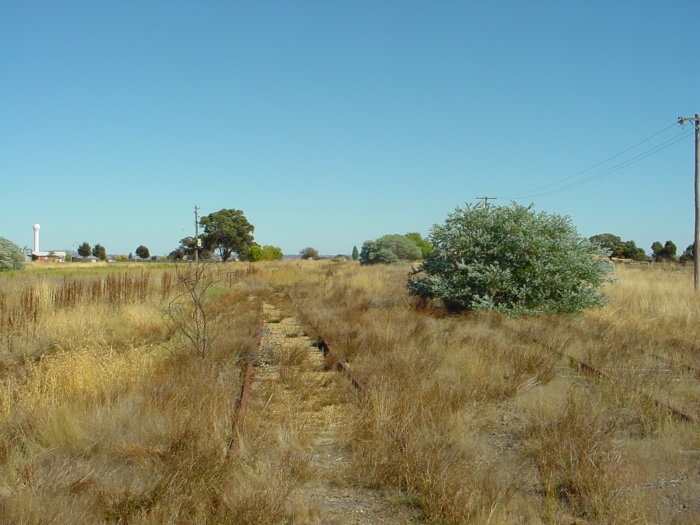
[[616, 247], [665, 253], [11, 256], [389, 249], [688, 254], [308, 253], [264, 253], [84, 250], [511, 259], [425, 245], [229, 232], [187, 249], [100, 252], [143, 252]]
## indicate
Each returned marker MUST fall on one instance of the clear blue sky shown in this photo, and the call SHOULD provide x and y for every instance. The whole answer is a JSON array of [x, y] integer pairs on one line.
[[333, 122]]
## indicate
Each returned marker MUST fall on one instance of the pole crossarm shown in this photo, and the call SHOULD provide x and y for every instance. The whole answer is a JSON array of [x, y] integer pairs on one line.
[[486, 199]]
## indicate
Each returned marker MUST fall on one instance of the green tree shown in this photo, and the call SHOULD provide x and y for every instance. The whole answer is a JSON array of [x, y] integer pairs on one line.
[[355, 253], [264, 253], [177, 255], [11, 256], [271, 253], [665, 253], [425, 246], [255, 253], [373, 252], [100, 252], [143, 252], [607, 242], [84, 249], [513, 260], [616, 247], [229, 232], [309, 253], [187, 248], [630, 250], [688, 254], [389, 249]]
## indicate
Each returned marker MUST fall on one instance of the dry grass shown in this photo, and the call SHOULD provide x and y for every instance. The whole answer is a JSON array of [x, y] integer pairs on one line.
[[106, 416], [480, 418]]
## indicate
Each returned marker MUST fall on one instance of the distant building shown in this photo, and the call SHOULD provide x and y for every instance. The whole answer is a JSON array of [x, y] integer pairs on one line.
[[38, 255]]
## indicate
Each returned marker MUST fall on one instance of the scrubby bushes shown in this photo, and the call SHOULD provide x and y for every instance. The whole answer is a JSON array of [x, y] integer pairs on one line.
[[389, 249], [309, 253], [265, 253], [511, 259], [11, 257]]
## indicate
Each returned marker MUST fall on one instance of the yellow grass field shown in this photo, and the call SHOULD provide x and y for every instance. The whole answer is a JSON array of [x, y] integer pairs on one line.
[[109, 415]]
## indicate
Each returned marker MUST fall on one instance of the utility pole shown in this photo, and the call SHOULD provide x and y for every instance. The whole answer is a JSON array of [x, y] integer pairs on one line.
[[196, 234], [486, 200], [696, 245]]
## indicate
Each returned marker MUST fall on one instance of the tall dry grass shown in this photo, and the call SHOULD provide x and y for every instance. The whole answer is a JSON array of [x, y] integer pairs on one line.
[[107, 415], [482, 419]]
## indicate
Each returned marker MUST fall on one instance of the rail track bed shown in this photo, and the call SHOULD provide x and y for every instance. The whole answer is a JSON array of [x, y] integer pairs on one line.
[[293, 391]]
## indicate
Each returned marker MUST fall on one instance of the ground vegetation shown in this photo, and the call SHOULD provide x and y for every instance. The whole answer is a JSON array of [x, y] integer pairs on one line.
[[309, 253], [108, 414], [688, 254], [264, 253], [11, 256], [424, 244], [389, 249], [513, 260]]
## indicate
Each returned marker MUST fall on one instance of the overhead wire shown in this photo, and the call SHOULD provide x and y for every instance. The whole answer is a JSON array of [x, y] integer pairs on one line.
[[535, 192]]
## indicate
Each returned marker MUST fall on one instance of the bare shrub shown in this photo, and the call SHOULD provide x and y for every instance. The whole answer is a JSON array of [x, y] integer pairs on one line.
[[187, 309]]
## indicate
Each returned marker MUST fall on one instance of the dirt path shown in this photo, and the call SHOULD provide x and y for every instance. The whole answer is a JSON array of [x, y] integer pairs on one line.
[[296, 391]]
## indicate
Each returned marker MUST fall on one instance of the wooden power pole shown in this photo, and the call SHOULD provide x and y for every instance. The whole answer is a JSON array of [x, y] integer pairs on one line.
[[196, 234], [696, 245], [486, 200]]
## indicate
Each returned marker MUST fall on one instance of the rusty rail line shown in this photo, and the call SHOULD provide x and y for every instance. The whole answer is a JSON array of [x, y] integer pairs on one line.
[[592, 370], [669, 363], [675, 412], [342, 366], [241, 403]]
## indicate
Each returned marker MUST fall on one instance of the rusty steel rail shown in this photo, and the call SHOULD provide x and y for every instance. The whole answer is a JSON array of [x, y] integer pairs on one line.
[[675, 412], [670, 363], [592, 370], [342, 366], [323, 345], [243, 400]]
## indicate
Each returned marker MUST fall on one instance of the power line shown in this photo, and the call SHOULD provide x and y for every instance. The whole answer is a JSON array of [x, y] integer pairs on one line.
[[607, 171]]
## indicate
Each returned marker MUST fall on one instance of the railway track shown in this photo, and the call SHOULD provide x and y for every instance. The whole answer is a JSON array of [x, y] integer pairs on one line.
[[288, 382], [592, 370], [243, 400]]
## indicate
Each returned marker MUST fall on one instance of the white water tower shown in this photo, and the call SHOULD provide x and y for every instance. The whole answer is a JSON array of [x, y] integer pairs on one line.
[[36, 238]]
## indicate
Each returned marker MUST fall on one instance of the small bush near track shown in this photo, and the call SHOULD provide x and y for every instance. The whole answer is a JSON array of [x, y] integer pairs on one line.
[[513, 260]]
